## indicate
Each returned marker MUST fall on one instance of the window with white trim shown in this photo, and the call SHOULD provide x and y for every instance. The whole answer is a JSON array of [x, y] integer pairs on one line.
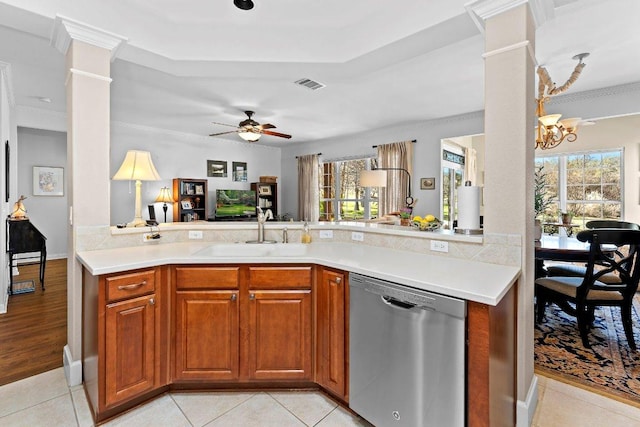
[[588, 185], [341, 196]]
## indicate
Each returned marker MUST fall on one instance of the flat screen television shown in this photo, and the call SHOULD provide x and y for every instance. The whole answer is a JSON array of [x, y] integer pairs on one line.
[[235, 204]]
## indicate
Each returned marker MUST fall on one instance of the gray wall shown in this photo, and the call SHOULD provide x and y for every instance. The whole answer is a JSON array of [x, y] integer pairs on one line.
[[178, 155], [48, 213]]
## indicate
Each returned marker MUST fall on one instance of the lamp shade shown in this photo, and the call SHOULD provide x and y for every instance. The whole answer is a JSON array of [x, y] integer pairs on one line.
[[165, 195], [137, 166], [550, 119], [249, 136], [373, 178]]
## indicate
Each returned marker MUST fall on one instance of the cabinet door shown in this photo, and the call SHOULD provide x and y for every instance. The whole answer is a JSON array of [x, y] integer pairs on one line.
[[206, 340], [331, 323], [279, 337], [130, 356]]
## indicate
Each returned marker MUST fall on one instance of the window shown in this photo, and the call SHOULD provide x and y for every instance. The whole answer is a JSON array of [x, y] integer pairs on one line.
[[341, 197], [587, 185]]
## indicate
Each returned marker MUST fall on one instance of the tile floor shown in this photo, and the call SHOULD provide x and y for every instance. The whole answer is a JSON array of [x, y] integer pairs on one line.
[[46, 400]]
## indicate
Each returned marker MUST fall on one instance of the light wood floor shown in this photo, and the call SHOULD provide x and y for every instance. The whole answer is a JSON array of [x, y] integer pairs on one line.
[[33, 332]]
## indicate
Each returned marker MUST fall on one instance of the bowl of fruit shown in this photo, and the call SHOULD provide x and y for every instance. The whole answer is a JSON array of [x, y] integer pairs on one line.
[[426, 223]]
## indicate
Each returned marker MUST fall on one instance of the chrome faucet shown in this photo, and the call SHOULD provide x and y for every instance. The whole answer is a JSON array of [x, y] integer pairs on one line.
[[262, 218]]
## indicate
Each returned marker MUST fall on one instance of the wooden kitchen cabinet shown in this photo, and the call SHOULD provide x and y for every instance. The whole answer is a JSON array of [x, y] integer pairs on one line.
[[122, 339], [129, 348], [268, 306], [332, 320], [279, 345], [278, 308], [206, 324]]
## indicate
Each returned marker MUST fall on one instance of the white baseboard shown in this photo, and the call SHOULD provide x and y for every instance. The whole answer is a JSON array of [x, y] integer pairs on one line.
[[72, 368], [525, 410], [5, 303]]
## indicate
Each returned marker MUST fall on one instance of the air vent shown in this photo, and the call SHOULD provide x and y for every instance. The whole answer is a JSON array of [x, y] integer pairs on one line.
[[309, 84]]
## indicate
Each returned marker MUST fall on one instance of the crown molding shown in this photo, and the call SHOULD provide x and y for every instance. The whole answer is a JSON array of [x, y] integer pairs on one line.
[[5, 72], [481, 10], [66, 29]]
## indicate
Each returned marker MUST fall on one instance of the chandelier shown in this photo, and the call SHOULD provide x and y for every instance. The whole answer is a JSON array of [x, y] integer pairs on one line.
[[551, 131]]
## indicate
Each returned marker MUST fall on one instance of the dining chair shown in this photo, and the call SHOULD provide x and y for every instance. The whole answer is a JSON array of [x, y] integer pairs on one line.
[[579, 296], [568, 269]]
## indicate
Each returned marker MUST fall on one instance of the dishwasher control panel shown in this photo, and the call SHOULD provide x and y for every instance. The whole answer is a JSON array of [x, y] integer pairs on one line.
[[405, 294]]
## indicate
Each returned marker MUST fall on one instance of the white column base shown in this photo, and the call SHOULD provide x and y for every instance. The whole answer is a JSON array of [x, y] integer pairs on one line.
[[526, 410], [72, 368]]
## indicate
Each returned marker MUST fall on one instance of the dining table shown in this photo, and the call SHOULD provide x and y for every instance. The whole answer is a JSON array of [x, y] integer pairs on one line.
[[561, 248]]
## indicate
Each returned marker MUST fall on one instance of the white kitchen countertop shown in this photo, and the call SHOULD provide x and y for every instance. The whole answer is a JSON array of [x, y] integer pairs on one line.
[[470, 280]]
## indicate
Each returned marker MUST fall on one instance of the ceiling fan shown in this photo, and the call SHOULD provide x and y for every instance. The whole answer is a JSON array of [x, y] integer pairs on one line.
[[250, 130]]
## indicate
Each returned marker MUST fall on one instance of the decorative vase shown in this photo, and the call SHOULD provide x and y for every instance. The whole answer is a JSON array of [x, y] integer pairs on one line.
[[405, 221], [537, 230], [567, 218]]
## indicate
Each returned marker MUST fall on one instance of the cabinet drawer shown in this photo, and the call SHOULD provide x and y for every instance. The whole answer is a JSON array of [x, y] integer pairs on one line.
[[207, 277], [130, 285], [279, 277]]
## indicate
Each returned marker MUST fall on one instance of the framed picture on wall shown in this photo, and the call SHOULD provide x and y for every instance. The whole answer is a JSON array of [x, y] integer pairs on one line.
[[6, 171], [239, 170], [427, 183], [217, 168], [48, 181]]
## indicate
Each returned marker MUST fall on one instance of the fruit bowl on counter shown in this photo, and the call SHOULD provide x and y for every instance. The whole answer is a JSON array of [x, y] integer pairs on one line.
[[428, 223]]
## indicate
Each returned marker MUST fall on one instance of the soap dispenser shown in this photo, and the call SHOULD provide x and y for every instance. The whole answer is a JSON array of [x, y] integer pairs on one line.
[[306, 235]]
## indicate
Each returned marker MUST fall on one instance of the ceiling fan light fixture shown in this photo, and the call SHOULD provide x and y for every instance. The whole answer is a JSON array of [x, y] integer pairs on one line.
[[243, 4], [249, 136]]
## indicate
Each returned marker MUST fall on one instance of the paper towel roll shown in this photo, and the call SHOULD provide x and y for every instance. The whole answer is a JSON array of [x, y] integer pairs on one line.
[[469, 208]]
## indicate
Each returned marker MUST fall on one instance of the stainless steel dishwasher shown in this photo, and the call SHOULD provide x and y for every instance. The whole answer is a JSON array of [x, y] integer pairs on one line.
[[406, 355]]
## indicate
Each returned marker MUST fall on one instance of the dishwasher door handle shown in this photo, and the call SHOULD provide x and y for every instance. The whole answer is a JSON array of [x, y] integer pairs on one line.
[[397, 303]]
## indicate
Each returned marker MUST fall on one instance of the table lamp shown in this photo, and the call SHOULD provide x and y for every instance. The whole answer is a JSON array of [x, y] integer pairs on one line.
[[137, 166], [164, 197]]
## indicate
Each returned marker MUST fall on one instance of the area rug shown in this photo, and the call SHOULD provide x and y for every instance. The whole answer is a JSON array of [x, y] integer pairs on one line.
[[23, 287], [610, 367]]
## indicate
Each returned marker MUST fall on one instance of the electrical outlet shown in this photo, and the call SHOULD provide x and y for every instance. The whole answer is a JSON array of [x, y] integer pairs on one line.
[[357, 236], [326, 234], [439, 246], [195, 234], [150, 237]]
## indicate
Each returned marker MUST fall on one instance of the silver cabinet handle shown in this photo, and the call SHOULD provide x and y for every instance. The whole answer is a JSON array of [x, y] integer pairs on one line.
[[234, 297], [133, 286], [152, 301], [338, 280], [252, 296]]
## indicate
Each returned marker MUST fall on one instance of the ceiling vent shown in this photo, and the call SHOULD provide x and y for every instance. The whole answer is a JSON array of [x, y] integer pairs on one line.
[[309, 84]]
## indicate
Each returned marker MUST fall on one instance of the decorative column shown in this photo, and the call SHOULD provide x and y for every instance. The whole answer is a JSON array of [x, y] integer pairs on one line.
[[509, 28], [89, 52]]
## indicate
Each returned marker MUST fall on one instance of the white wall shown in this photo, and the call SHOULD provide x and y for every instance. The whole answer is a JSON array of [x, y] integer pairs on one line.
[[179, 155], [48, 213], [7, 133]]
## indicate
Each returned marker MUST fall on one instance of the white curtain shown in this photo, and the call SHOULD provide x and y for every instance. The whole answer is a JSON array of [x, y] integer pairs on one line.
[[470, 166], [308, 190], [395, 155]]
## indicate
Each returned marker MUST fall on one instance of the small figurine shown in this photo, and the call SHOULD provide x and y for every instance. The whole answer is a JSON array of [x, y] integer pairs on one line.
[[19, 211]]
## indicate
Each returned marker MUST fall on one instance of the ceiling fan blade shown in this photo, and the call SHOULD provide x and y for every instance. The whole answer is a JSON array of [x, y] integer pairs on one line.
[[267, 126], [224, 124], [223, 133], [281, 135]]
